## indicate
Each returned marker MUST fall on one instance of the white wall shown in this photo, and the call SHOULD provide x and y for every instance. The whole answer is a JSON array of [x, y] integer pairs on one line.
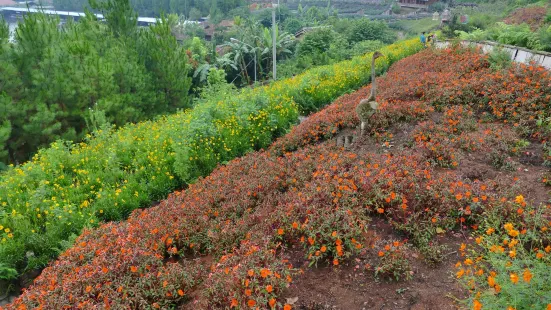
[[518, 54]]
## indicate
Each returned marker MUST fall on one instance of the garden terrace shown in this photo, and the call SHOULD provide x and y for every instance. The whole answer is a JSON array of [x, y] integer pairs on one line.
[[456, 148], [49, 200]]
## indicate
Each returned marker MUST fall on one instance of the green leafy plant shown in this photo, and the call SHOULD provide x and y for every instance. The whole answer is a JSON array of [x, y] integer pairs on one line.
[[393, 262]]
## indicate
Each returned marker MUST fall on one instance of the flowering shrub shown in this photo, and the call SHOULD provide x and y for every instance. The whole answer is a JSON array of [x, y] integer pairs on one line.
[[223, 242], [315, 88], [508, 267], [393, 262], [70, 186], [533, 16]]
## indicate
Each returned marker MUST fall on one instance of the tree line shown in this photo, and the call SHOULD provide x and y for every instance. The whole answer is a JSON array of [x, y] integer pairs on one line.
[[63, 83]]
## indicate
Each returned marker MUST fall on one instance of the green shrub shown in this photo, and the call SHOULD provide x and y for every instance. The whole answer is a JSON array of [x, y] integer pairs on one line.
[[499, 59]]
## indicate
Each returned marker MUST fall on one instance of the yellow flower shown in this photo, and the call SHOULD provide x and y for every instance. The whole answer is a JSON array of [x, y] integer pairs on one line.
[[512, 254], [508, 226], [513, 233]]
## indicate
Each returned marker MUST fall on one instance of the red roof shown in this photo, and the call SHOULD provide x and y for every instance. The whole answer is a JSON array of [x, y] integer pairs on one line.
[[6, 2]]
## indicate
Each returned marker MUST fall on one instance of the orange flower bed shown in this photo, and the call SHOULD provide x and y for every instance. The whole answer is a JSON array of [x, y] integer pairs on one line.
[[223, 242]]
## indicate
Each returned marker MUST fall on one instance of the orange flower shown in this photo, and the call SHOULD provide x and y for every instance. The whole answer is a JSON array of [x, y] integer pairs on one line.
[[335, 262], [180, 292], [287, 307], [250, 272], [248, 292], [88, 289], [381, 253], [380, 210], [269, 288], [323, 249], [491, 281], [264, 272], [295, 225], [477, 305], [514, 278], [234, 303], [134, 269], [272, 303], [527, 276], [280, 231], [251, 303]]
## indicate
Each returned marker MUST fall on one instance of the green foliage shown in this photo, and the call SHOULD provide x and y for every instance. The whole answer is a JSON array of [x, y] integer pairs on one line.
[[415, 27], [4, 31], [394, 264], [293, 25], [364, 29], [437, 7], [512, 259], [517, 35], [396, 9], [317, 41], [167, 62], [544, 35], [50, 78], [499, 59], [365, 47], [120, 16]]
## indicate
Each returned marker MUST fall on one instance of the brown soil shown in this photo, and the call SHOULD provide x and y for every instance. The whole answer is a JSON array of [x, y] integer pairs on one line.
[[352, 286]]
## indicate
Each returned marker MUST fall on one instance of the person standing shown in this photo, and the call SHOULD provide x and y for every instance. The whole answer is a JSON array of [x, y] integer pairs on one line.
[[423, 39]]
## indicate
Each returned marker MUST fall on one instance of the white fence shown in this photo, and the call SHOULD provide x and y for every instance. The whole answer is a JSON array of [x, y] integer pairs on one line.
[[518, 54]]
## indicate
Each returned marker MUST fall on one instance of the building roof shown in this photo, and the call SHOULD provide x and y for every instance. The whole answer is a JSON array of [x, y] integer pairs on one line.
[[150, 20]]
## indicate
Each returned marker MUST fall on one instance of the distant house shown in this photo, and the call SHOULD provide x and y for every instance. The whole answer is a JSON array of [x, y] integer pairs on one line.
[[211, 28], [422, 4]]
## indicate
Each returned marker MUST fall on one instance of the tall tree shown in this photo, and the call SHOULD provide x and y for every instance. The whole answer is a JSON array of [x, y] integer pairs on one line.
[[120, 16]]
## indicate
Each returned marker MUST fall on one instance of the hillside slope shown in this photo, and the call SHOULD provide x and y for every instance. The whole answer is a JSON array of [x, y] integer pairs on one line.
[[454, 149]]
